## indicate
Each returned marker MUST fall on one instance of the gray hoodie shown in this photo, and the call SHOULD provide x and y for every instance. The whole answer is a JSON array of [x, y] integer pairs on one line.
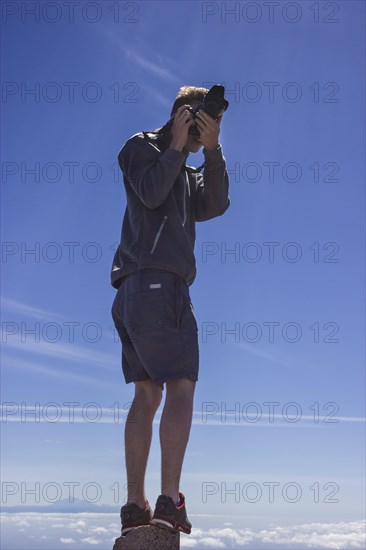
[[165, 198]]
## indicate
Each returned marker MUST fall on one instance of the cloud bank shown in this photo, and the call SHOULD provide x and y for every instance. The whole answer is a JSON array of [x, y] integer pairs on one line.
[[90, 530]]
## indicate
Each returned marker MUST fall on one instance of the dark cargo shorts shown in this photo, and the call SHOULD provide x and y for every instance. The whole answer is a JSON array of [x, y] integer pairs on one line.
[[154, 317]]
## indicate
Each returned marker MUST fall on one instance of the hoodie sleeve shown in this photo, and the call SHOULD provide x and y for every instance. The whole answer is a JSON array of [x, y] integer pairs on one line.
[[151, 176], [212, 188]]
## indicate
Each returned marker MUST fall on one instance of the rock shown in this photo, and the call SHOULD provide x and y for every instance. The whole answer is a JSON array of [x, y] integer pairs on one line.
[[148, 538]]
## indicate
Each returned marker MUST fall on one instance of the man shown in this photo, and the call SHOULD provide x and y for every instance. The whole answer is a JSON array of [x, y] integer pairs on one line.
[[152, 269]]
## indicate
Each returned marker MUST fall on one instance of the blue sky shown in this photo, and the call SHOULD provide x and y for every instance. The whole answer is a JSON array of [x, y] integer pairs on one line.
[[279, 293]]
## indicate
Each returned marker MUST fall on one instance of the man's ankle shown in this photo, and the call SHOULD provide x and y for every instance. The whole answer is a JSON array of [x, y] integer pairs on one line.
[[174, 495], [141, 503]]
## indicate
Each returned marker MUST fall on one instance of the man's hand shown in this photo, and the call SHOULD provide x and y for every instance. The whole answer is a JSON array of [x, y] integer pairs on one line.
[[209, 130], [182, 121]]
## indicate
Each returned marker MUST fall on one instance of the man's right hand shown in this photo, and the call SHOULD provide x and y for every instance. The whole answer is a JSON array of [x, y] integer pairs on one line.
[[182, 121]]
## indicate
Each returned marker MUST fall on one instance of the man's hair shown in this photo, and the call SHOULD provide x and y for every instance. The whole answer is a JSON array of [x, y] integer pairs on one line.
[[188, 94]]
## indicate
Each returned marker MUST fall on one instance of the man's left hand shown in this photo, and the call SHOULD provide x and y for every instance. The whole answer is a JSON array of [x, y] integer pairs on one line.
[[209, 130]]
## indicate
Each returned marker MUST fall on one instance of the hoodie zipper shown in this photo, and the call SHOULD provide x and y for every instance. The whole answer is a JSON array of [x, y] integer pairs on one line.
[[158, 234], [184, 198]]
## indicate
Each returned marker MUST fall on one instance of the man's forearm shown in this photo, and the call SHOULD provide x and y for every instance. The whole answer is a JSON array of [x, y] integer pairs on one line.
[[213, 192], [176, 144]]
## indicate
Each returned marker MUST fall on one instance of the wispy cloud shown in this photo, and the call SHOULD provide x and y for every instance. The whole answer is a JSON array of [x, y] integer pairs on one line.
[[270, 356], [53, 372], [41, 354], [27, 310], [155, 65], [69, 351], [166, 102], [155, 68], [118, 415]]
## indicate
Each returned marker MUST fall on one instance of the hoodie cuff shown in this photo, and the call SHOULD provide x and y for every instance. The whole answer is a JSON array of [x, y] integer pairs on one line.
[[215, 155]]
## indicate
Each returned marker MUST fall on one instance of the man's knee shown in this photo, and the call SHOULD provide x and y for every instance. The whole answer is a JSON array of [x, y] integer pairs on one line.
[[182, 388], [148, 395]]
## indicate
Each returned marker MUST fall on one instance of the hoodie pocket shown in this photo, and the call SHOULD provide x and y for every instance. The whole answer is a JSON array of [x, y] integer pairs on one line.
[[157, 236]]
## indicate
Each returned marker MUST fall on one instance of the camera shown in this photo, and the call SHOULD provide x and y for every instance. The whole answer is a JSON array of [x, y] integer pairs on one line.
[[214, 104]]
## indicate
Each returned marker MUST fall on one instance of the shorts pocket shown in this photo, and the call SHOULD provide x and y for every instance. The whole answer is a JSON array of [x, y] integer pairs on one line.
[[147, 311]]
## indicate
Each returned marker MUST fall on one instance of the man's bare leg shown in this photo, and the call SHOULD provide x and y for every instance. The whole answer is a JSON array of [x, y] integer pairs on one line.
[[175, 426], [138, 433]]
